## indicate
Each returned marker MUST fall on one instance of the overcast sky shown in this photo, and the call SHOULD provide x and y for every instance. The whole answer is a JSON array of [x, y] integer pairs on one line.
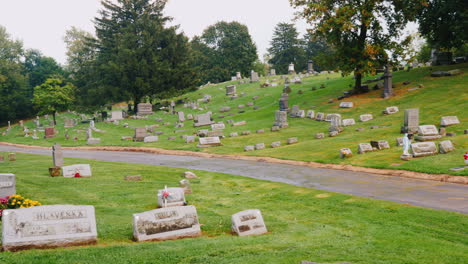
[[41, 24]]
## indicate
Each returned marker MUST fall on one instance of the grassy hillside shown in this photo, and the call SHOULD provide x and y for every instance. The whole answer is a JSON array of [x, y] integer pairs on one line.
[[303, 224], [439, 97]]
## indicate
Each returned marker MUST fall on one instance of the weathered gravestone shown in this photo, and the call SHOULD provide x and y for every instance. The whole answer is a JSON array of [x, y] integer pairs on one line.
[[49, 132], [48, 226], [446, 146], [168, 197], [240, 123], [276, 144], [292, 140], [83, 169], [218, 126], [391, 110], [449, 121], [349, 122], [202, 120], [7, 184], [150, 139], [57, 155], [181, 116], [320, 135], [427, 133], [231, 90], [335, 123], [365, 118], [117, 115], [249, 148], [310, 114], [144, 109], [133, 178], [281, 119], [320, 117], [69, 123], [422, 149], [346, 104], [283, 102], [345, 153], [166, 224], [364, 147], [190, 139], [209, 142], [381, 144], [411, 122], [259, 146], [248, 222], [215, 133], [140, 134], [254, 77]]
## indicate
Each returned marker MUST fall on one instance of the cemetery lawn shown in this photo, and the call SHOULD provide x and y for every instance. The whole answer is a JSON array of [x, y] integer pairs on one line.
[[437, 97], [303, 224]]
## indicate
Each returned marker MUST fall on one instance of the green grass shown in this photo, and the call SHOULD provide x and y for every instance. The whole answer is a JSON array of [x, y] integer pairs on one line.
[[303, 224], [440, 97]]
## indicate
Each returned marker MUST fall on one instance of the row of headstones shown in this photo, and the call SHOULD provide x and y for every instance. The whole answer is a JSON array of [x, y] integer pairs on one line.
[[68, 225], [275, 144]]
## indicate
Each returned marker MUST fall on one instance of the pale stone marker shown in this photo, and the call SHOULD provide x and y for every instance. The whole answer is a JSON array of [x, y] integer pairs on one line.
[[254, 77], [310, 114], [140, 134], [345, 153], [150, 139], [48, 226], [449, 121], [422, 149], [364, 147], [83, 169], [117, 115], [427, 133], [168, 197], [240, 123], [7, 184], [215, 133], [391, 110], [259, 146], [218, 126], [69, 123], [320, 117], [166, 224], [249, 148], [295, 111], [190, 139], [365, 118], [411, 122], [346, 105], [231, 90], [446, 146], [57, 155], [281, 119], [320, 135], [181, 116], [202, 120], [276, 144], [209, 142], [248, 222], [349, 122], [144, 109], [292, 140]]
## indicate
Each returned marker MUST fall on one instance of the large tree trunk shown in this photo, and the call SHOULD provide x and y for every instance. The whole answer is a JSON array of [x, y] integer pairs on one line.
[[361, 47], [358, 81], [53, 115]]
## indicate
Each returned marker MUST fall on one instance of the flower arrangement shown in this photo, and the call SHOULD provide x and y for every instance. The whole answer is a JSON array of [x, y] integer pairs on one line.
[[16, 201]]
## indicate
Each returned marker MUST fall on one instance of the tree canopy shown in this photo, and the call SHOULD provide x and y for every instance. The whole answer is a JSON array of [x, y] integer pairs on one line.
[[286, 48], [224, 49], [363, 33]]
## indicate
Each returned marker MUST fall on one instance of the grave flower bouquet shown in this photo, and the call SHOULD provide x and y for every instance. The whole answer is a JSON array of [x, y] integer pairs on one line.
[[16, 201]]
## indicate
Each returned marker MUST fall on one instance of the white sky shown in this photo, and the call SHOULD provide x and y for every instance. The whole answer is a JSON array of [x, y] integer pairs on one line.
[[41, 24]]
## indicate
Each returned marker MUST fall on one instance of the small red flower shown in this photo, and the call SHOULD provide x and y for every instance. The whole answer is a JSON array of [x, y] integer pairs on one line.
[[465, 155], [165, 194], [77, 175]]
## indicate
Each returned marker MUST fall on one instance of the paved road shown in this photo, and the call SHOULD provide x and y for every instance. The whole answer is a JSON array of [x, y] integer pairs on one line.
[[437, 195]]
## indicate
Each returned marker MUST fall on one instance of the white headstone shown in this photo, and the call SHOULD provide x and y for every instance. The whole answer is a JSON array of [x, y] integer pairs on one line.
[[346, 104], [348, 122], [449, 120], [248, 222], [83, 169], [7, 184], [166, 224], [173, 196], [150, 139], [48, 226], [117, 115]]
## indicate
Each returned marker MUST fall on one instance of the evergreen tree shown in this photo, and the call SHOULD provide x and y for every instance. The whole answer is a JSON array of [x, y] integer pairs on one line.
[[286, 48]]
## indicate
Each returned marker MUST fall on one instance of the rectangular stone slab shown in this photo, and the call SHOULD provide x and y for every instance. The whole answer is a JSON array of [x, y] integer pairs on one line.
[[83, 169], [7, 184], [422, 149], [48, 226], [166, 224], [176, 197], [248, 222]]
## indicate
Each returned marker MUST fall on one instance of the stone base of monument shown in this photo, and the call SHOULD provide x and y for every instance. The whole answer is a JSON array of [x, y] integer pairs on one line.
[[93, 141], [428, 138], [55, 171], [406, 157]]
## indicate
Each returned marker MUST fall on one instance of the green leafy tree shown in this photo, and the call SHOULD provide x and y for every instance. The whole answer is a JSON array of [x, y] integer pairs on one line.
[[15, 102], [363, 32], [137, 55], [322, 54], [39, 67], [286, 48], [444, 23], [224, 49], [53, 96]]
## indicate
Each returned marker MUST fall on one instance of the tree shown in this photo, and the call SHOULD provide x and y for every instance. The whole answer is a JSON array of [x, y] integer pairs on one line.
[[319, 52], [39, 67], [286, 48], [363, 32], [14, 100], [137, 55], [52, 96], [232, 46], [444, 23]]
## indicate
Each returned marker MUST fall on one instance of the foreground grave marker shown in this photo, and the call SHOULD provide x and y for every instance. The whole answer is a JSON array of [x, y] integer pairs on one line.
[[48, 226], [248, 222], [70, 171], [166, 224], [7, 184]]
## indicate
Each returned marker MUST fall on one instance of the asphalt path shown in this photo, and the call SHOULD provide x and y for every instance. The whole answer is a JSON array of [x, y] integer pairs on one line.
[[425, 193]]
